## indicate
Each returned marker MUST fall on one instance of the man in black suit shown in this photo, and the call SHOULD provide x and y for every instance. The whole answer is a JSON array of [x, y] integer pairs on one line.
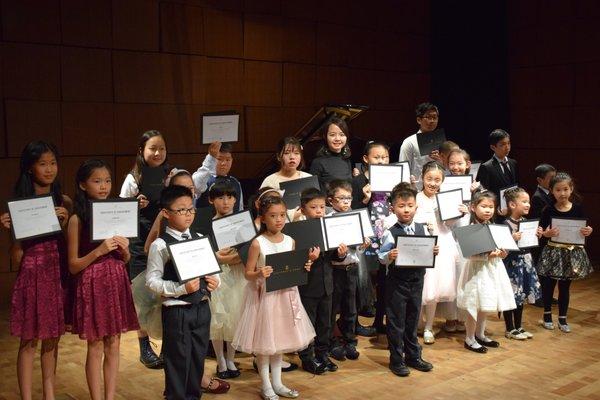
[[499, 171]]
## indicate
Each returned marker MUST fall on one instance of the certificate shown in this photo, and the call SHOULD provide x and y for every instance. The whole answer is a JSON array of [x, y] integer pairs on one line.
[[483, 238], [233, 229], [458, 182], [346, 229], [365, 219], [569, 230], [193, 258], [308, 233], [502, 199], [383, 177], [293, 190], [430, 141], [115, 217], [474, 169], [153, 182], [448, 203], [288, 269], [528, 231], [503, 238], [220, 127], [33, 217], [405, 170], [415, 251]]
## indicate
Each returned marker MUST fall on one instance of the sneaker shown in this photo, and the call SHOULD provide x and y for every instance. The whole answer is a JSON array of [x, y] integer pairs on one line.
[[524, 332], [564, 328], [428, 337], [450, 326], [548, 325], [515, 334]]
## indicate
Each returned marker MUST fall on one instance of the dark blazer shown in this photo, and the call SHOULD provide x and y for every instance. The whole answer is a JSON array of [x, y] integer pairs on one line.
[[320, 277], [492, 178], [539, 201]]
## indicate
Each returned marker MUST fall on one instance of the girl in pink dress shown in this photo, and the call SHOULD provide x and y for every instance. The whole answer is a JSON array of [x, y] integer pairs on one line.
[[103, 306], [271, 323]]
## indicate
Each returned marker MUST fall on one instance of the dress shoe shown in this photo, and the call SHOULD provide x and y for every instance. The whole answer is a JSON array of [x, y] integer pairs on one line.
[[400, 369], [286, 392], [291, 367], [420, 365], [480, 349], [366, 331], [222, 386], [228, 373], [338, 353], [328, 364], [147, 356], [428, 337], [313, 367], [351, 352], [487, 343], [564, 328]]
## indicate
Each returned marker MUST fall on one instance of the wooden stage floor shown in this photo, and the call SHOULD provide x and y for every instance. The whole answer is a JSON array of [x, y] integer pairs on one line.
[[552, 365]]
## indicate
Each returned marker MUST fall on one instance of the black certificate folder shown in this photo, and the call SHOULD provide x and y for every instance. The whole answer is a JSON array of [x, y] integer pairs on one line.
[[430, 141], [288, 269], [306, 234], [293, 190], [474, 239]]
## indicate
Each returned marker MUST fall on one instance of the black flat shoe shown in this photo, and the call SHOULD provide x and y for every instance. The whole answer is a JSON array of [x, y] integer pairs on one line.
[[148, 357], [228, 374], [480, 350], [489, 343], [338, 353], [351, 352], [328, 364], [292, 367], [420, 365], [400, 370], [366, 331], [313, 367]]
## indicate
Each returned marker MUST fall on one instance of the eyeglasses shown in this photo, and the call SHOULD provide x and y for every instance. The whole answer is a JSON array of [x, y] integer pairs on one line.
[[430, 117], [343, 199], [184, 211]]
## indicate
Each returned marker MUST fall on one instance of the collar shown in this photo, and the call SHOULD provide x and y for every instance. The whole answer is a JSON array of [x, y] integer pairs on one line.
[[176, 234], [543, 189], [411, 225], [499, 160]]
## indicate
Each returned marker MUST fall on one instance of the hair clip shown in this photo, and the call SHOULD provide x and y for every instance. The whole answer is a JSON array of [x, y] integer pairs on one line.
[[281, 192], [174, 172]]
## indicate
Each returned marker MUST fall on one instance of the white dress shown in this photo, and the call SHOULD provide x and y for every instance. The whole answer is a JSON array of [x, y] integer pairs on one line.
[[226, 302]]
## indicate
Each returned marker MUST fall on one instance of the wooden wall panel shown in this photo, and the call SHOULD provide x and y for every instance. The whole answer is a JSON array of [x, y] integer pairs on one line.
[[182, 28], [135, 24], [86, 74], [31, 120], [224, 81], [298, 84], [263, 83], [223, 33], [299, 41], [263, 125], [263, 37], [86, 23], [272, 7], [87, 128], [31, 21], [587, 84]]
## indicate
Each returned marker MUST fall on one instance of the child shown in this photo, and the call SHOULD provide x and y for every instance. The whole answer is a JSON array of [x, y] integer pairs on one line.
[[272, 323], [333, 159], [459, 163], [404, 286], [39, 302], [345, 280], [519, 266], [444, 151], [483, 286], [103, 303], [499, 171], [316, 295], [185, 313], [226, 303], [542, 197], [440, 282], [559, 262]]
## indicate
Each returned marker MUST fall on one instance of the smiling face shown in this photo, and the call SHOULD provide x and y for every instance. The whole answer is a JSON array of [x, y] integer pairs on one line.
[[98, 185], [404, 209], [45, 169], [274, 218], [336, 138], [562, 191], [155, 151], [484, 210], [432, 180], [520, 206], [457, 164]]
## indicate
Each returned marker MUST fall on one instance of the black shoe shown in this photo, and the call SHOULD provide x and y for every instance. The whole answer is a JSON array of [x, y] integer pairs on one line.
[[488, 343], [147, 356], [327, 363], [228, 373], [351, 353], [420, 365], [400, 369], [338, 353], [366, 331], [481, 349], [292, 367], [539, 303], [313, 367]]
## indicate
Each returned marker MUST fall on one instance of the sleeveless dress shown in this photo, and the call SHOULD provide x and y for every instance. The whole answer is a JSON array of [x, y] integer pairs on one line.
[[103, 302], [274, 322]]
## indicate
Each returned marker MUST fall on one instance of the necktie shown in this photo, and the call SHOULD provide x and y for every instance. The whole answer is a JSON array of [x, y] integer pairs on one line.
[[506, 171], [185, 236], [408, 230]]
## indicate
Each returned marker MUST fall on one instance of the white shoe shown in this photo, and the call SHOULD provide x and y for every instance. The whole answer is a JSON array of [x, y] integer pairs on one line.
[[428, 337], [524, 332], [267, 396], [286, 392], [548, 325], [565, 328], [515, 334]]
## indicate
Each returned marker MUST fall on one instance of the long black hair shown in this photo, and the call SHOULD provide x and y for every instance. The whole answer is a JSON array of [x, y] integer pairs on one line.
[[29, 156], [340, 123], [136, 171], [85, 170]]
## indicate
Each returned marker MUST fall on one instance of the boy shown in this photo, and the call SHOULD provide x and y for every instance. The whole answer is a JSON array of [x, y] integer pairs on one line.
[[345, 280], [541, 198], [316, 295], [404, 286], [499, 171], [205, 177], [185, 311]]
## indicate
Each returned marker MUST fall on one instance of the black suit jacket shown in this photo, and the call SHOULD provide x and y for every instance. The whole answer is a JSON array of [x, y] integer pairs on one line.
[[492, 178], [539, 201], [320, 277]]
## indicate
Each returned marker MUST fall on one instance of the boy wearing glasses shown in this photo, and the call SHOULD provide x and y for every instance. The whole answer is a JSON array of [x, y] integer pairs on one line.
[[185, 311], [345, 280]]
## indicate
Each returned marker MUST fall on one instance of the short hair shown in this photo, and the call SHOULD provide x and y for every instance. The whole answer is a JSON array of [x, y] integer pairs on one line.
[[171, 193], [542, 170], [403, 191], [448, 146], [222, 187], [336, 185], [226, 148], [422, 109], [513, 193], [290, 141], [309, 195], [497, 135]]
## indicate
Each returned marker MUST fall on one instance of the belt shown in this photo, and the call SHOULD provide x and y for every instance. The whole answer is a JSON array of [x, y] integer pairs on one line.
[[346, 267], [565, 246]]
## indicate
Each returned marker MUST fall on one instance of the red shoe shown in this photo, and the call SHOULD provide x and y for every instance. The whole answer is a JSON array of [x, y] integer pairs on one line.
[[222, 386]]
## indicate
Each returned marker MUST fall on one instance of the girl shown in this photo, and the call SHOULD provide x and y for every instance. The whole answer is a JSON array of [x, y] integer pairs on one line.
[[519, 266], [559, 262], [40, 302], [333, 159], [483, 286], [272, 323], [459, 163], [440, 282], [103, 303]]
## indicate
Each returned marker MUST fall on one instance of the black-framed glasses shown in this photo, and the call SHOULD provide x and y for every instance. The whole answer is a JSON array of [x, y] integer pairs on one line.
[[343, 199], [184, 211]]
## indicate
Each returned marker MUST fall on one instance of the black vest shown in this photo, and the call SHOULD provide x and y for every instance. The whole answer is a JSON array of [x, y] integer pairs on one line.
[[169, 274], [397, 230]]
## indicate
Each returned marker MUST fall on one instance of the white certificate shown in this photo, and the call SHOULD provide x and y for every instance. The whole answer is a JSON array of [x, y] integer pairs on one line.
[[220, 127], [415, 251], [569, 230], [474, 169], [405, 170], [234, 229], [383, 177], [502, 236], [116, 217], [448, 203], [365, 219], [345, 228], [193, 258], [502, 199], [33, 217], [462, 182], [528, 231]]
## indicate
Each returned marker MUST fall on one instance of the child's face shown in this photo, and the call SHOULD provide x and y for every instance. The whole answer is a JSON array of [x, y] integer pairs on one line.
[[274, 218], [155, 151], [457, 164], [405, 209], [180, 214], [429, 121], [45, 169], [336, 139], [342, 200], [562, 191], [444, 156], [224, 161], [484, 210], [520, 206], [185, 181], [545, 182], [502, 148], [432, 181], [290, 158], [314, 208], [223, 204], [377, 155], [98, 185]]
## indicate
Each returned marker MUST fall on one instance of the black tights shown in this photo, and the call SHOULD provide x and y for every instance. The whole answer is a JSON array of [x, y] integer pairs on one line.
[[513, 318], [563, 298]]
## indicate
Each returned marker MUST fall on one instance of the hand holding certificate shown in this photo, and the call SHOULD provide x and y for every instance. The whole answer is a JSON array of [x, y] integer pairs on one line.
[[529, 237], [220, 127], [415, 251], [116, 217], [448, 204], [569, 230], [484, 238], [288, 269], [234, 229], [33, 217], [193, 258]]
